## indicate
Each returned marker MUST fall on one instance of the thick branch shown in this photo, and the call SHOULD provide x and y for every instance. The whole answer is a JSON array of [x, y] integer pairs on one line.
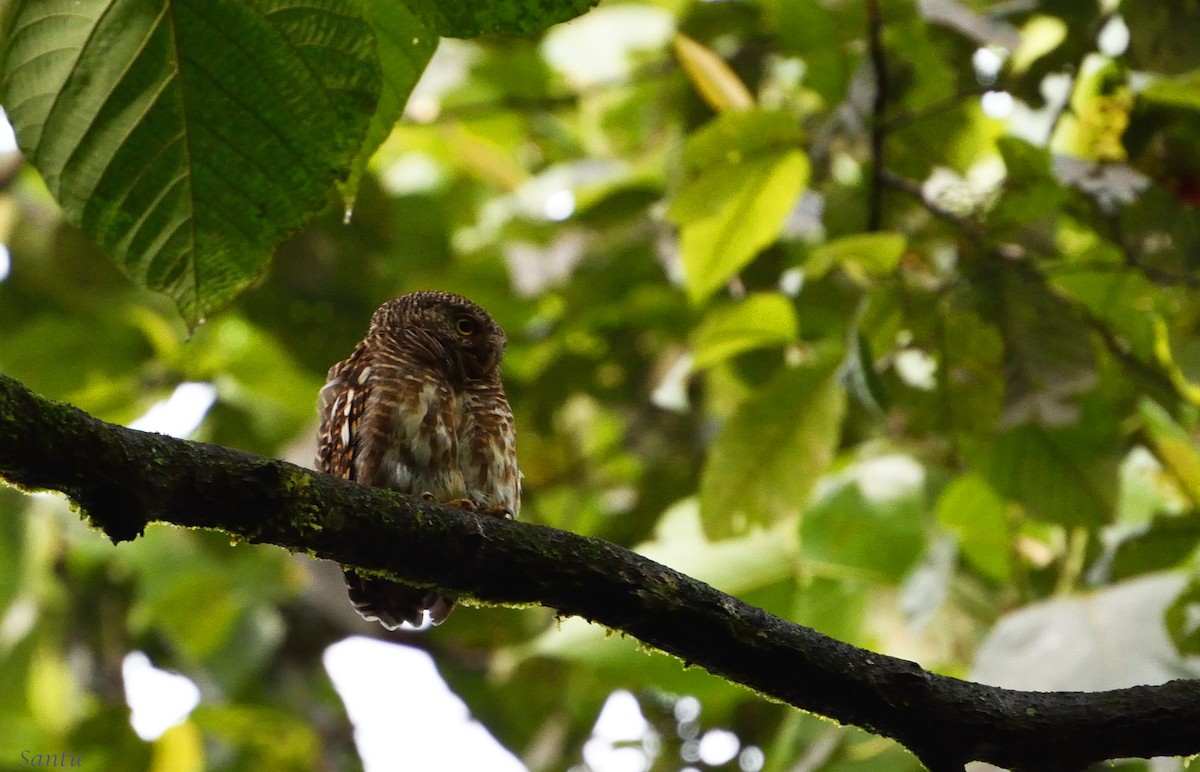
[[124, 479]]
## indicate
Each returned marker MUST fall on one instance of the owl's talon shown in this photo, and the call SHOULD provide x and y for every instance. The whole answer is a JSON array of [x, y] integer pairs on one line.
[[464, 504], [429, 497]]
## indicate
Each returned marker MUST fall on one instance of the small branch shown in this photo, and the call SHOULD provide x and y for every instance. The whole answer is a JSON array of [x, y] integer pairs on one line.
[[969, 227], [977, 235], [878, 113], [908, 117], [124, 479]]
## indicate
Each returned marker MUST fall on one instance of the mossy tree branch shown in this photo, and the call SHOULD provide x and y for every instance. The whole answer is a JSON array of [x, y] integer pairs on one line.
[[124, 479]]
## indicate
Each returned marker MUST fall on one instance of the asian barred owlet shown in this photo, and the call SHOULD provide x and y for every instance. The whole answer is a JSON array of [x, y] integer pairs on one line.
[[419, 408]]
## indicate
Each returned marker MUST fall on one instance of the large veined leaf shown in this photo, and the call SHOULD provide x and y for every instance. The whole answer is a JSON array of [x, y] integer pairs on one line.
[[405, 46], [1048, 356], [769, 454], [1065, 475], [470, 18], [188, 137]]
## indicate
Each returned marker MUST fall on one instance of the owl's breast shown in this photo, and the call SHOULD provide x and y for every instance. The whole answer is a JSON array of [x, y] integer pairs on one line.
[[487, 449], [421, 441]]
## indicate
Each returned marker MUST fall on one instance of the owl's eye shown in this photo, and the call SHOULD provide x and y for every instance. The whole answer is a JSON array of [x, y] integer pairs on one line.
[[465, 326]]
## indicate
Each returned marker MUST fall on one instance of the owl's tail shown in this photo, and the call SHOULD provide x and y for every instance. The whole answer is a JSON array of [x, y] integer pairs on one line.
[[389, 603]]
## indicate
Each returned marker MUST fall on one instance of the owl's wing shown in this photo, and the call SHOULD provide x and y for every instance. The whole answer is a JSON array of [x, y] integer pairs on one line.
[[342, 403]]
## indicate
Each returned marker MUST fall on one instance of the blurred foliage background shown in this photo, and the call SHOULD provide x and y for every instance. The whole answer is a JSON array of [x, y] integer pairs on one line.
[[939, 401]]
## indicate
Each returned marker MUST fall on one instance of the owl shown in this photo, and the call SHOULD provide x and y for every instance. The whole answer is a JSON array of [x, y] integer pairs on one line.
[[419, 408]]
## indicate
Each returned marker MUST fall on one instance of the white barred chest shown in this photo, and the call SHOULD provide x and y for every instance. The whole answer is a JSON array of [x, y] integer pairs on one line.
[[437, 443]]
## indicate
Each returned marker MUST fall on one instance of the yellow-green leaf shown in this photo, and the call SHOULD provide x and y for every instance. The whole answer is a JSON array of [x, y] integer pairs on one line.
[[1173, 447], [978, 517], [760, 320], [1179, 91], [717, 83], [179, 749], [405, 46], [732, 212], [860, 255]]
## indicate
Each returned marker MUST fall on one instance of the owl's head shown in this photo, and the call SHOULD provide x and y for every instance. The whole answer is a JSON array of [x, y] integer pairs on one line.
[[443, 329]]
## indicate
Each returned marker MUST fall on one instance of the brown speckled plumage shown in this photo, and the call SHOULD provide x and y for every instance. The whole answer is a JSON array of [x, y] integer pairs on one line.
[[419, 408]]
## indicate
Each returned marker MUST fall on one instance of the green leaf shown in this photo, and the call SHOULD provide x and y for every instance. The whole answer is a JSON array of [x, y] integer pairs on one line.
[[1164, 543], [970, 354], [838, 606], [1174, 447], [187, 138], [750, 174], [274, 738], [971, 510], [405, 46], [766, 458], [1181, 619], [820, 36], [1048, 355], [180, 747], [469, 19], [715, 80], [734, 566], [731, 213], [106, 740], [196, 609], [1066, 475], [1039, 36], [758, 321], [860, 255], [740, 135], [263, 394], [1030, 190], [867, 518], [1125, 300], [1180, 91], [1162, 36], [1097, 113], [737, 566]]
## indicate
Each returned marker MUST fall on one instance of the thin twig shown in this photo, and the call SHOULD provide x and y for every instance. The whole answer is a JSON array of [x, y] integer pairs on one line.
[[969, 227], [907, 117], [878, 111]]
